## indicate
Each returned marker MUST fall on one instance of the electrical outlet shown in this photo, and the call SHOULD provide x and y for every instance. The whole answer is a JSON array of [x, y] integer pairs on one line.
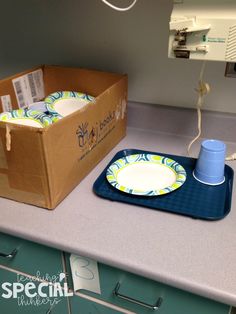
[[230, 70]]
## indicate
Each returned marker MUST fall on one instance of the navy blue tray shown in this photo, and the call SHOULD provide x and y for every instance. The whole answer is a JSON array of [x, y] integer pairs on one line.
[[193, 199]]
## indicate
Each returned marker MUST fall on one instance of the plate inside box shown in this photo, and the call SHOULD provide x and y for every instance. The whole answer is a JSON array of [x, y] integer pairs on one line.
[[28, 117], [66, 102]]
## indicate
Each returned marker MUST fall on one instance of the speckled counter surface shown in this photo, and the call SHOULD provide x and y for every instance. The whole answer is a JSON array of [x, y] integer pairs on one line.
[[194, 255]]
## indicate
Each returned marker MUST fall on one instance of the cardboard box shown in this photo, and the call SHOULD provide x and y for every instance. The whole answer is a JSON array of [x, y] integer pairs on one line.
[[44, 165]]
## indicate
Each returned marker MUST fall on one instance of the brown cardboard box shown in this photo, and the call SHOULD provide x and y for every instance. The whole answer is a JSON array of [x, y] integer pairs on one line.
[[44, 165]]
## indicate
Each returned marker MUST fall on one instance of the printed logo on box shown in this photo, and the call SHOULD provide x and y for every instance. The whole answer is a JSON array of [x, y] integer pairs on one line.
[[90, 135]]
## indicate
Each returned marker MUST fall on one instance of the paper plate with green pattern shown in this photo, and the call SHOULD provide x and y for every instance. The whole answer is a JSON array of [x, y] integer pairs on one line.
[[146, 175], [29, 117], [66, 102]]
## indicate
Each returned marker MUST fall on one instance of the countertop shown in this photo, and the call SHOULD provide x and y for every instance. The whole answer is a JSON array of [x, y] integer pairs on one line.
[[194, 255]]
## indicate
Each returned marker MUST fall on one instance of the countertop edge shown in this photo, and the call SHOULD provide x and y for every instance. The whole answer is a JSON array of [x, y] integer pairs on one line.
[[204, 291]]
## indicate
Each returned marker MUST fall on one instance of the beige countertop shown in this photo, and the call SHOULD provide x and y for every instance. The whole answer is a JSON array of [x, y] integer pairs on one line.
[[194, 255]]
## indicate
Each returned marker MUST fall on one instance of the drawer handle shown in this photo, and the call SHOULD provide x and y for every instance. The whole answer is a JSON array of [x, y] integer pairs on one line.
[[10, 255], [154, 307]]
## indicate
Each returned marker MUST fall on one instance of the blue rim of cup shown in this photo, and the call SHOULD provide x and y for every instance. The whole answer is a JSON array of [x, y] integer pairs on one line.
[[212, 184], [214, 149]]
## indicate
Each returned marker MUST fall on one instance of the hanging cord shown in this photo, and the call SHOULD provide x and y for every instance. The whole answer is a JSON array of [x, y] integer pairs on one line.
[[118, 8], [202, 90]]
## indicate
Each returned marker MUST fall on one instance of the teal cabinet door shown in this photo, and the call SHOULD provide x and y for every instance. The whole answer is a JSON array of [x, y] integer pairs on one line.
[[31, 258], [22, 304], [142, 295], [82, 306]]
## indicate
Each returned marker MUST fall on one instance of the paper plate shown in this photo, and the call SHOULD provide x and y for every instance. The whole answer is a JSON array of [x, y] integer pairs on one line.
[[28, 117], [146, 174], [66, 102]]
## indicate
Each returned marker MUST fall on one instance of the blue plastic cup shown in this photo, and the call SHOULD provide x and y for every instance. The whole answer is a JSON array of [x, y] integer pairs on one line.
[[211, 163]]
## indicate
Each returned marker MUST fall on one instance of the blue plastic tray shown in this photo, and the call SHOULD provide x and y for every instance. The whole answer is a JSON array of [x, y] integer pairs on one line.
[[193, 199]]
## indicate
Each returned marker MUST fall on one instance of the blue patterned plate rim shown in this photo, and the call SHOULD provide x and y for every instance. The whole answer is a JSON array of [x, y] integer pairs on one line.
[[52, 99], [39, 117], [121, 163]]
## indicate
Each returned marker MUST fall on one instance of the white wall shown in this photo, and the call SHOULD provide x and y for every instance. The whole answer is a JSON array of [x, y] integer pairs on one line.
[[87, 33]]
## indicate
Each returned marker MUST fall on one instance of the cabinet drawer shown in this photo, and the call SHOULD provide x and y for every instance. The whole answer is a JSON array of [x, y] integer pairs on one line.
[[83, 306], [25, 305], [140, 294], [31, 258]]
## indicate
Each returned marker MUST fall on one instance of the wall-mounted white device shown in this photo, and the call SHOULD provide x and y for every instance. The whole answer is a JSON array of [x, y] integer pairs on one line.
[[203, 30]]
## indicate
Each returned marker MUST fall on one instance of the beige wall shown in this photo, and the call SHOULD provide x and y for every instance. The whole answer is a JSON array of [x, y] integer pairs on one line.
[[89, 34]]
